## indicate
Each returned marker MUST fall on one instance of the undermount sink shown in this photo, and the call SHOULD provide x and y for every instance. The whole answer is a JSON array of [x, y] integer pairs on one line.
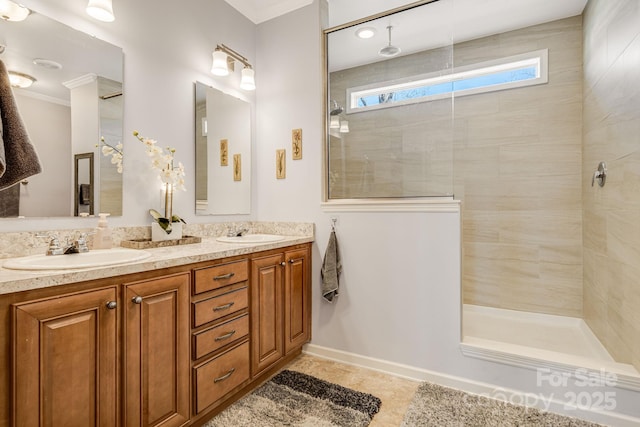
[[251, 238], [95, 258]]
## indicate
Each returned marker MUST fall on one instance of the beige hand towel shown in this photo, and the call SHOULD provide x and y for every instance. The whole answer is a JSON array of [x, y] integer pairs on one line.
[[331, 269], [18, 157]]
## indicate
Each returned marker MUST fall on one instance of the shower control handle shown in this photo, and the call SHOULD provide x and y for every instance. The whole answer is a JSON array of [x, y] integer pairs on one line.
[[600, 175]]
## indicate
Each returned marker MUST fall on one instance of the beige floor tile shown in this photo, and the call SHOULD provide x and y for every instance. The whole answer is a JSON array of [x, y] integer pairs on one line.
[[395, 393]]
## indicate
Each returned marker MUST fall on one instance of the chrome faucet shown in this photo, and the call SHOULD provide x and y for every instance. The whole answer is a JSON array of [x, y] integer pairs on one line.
[[235, 233], [77, 246]]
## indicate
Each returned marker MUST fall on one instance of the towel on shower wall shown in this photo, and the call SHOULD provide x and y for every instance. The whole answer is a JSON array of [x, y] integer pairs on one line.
[[18, 157], [331, 269]]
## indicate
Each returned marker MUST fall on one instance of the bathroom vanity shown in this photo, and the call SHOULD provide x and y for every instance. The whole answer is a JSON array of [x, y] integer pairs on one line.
[[167, 341]]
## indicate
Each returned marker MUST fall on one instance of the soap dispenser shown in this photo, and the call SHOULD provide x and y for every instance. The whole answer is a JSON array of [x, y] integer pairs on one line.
[[102, 238]]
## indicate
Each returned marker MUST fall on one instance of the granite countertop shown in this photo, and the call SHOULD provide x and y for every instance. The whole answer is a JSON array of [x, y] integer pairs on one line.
[[171, 256]]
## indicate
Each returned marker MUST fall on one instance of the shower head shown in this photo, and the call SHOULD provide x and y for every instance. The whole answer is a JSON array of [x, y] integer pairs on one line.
[[336, 109], [389, 50]]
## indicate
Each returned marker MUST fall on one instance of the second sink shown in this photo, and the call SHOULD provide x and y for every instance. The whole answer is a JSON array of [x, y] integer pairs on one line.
[[251, 238]]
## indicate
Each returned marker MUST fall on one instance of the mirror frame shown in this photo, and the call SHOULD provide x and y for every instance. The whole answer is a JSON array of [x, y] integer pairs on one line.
[[77, 158]]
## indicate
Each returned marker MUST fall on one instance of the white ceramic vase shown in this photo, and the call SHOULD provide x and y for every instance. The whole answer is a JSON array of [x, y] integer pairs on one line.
[[159, 235]]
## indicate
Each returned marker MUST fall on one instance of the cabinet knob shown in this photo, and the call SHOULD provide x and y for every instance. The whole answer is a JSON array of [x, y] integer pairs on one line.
[[283, 263], [111, 305], [137, 300]]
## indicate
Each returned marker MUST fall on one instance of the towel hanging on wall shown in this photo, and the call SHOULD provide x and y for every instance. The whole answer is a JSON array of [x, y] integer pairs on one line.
[[331, 268], [18, 157]]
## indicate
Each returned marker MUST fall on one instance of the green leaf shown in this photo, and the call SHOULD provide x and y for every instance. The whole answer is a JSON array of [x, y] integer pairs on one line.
[[176, 218], [155, 214], [165, 224]]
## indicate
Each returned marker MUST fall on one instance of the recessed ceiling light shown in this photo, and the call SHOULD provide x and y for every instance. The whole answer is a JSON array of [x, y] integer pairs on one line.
[[366, 32], [47, 63], [20, 80]]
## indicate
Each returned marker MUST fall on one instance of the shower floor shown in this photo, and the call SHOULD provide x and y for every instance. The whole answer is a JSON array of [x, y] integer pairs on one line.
[[534, 336]]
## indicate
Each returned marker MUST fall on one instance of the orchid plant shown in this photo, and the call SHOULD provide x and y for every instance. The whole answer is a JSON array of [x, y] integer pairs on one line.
[[114, 151], [171, 176]]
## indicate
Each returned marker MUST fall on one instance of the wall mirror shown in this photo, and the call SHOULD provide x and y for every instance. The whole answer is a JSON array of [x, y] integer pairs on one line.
[[83, 172], [223, 153], [75, 100]]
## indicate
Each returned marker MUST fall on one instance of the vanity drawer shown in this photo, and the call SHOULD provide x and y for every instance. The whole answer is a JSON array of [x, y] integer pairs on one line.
[[214, 379], [223, 305], [217, 337], [210, 278]]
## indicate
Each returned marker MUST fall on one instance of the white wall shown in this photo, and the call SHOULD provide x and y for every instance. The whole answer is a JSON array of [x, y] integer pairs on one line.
[[400, 290], [166, 49], [49, 126]]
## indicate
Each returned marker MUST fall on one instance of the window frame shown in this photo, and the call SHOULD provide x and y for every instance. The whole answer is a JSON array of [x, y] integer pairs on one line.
[[538, 58]]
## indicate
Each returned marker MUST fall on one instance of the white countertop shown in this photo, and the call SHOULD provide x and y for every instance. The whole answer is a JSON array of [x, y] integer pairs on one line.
[[171, 256]]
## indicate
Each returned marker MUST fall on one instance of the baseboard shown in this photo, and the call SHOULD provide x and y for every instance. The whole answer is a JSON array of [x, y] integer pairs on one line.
[[469, 386]]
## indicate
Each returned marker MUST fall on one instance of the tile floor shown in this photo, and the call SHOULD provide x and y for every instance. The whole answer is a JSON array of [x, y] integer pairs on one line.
[[395, 393]]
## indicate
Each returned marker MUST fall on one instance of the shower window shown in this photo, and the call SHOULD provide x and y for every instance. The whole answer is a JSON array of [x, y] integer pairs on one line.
[[515, 71]]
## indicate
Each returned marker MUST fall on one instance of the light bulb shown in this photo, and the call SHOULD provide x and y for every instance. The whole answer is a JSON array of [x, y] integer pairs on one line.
[[10, 11], [102, 10], [248, 81], [219, 66], [344, 126]]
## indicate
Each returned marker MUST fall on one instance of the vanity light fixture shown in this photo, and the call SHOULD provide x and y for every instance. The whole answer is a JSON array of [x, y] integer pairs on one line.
[[365, 32], [223, 62], [10, 11], [344, 126], [335, 122], [102, 10], [20, 80]]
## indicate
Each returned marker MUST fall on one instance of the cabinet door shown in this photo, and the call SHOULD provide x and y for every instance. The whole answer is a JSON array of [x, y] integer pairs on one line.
[[297, 299], [156, 369], [65, 361], [266, 312]]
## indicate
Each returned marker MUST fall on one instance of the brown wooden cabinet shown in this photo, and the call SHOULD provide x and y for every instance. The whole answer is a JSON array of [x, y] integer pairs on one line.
[[65, 366], [166, 348], [280, 306], [156, 351], [266, 311], [297, 299]]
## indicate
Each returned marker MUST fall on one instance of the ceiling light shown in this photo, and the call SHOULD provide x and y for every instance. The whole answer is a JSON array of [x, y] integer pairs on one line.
[[20, 80], [366, 32], [102, 10], [223, 63], [389, 50], [10, 11], [47, 63]]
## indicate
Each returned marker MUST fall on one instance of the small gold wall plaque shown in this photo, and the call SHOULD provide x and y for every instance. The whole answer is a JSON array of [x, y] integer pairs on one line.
[[224, 152], [281, 164], [296, 144], [237, 167]]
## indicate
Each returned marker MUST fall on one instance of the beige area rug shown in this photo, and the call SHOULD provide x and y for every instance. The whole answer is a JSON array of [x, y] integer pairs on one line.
[[295, 399], [438, 406]]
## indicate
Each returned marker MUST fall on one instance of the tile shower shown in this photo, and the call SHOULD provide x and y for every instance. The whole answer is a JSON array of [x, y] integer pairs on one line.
[[538, 239]]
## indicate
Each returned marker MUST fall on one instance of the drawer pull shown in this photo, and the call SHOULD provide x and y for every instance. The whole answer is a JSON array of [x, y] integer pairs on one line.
[[223, 307], [225, 336], [225, 376], [224, 276]]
